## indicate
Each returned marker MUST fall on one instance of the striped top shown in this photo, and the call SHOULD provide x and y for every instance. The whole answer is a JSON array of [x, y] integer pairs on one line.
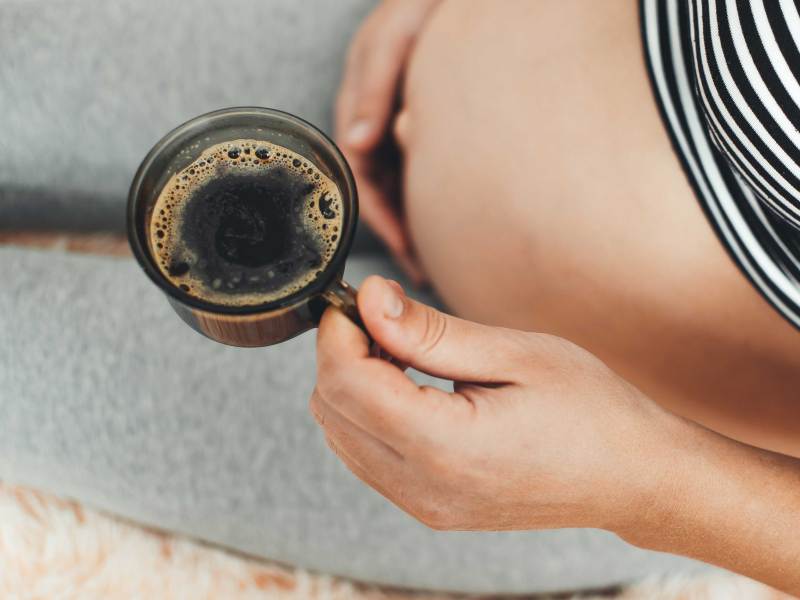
[[726, 75]]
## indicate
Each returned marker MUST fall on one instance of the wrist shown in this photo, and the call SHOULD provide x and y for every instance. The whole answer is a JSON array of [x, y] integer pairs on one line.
[[723, 502], [671, 468]]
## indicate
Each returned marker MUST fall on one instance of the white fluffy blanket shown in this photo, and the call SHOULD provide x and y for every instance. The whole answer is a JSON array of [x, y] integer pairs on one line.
[[54, 548]]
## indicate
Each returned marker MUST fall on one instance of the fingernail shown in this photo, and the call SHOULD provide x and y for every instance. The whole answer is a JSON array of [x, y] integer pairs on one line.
[[358, 132], [397, 287], [392, 302]]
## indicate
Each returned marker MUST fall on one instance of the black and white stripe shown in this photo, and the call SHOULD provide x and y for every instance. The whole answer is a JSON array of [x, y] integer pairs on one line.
[[726, 74]]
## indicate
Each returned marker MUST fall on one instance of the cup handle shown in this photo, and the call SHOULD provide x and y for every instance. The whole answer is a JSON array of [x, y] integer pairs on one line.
[[343, 296]]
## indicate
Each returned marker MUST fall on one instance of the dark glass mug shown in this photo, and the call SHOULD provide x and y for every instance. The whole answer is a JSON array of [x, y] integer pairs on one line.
[[271, 322]]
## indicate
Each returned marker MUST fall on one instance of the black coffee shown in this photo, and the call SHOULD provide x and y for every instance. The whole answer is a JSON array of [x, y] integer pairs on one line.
[[248, 222]]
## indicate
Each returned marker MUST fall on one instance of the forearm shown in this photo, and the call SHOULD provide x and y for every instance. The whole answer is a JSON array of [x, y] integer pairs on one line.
[[728, 504]]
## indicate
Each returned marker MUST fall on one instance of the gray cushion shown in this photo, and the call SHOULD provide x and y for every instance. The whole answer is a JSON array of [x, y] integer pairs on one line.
[[89, 86], [107, 397]]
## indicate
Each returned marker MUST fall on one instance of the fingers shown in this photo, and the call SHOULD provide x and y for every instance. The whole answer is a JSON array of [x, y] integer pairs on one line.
[[357, 113], [362, 446], [375, 62], [395, 490], [365, 106], [347, 95], [375, 463], [339, 341], [372, 393], [378, 421], [436, 343]]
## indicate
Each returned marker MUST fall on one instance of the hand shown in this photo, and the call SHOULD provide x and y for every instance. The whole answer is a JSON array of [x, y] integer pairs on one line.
[[364, 109], [537, 433]]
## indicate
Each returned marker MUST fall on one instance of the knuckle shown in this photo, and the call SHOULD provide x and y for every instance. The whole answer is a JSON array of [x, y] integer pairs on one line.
[[433, 331], [316, 409], [323, 376], [555, 347], [371, 97], [434, 516], [557, 356], [435, 525], [520, 347], [331, 387], [332, 445], [326, 349]]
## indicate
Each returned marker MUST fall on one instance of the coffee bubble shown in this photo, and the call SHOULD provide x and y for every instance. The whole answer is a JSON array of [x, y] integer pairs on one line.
[[248, 222]]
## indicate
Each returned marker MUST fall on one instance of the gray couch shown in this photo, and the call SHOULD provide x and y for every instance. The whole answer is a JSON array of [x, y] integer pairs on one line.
[[105, 396]]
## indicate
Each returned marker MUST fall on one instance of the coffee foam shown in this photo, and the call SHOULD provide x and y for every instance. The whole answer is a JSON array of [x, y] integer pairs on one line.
[[322, 218]]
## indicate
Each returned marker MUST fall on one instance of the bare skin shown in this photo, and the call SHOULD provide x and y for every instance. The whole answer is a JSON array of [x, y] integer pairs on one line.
[[537, 434], [541, 194], [576, 218]]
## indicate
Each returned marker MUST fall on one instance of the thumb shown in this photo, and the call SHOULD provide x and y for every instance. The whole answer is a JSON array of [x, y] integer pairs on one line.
[[434, 342]]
